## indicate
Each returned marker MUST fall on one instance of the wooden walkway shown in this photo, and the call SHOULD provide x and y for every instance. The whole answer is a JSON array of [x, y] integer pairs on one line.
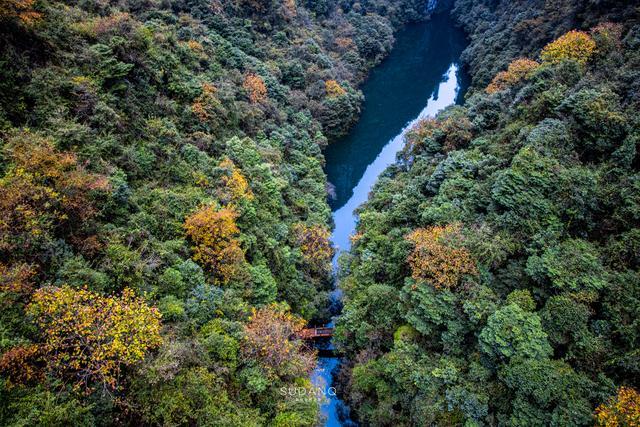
[[315, 333]]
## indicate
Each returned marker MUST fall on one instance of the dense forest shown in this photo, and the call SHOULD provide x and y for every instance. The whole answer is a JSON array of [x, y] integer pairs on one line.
[[495, 274], [164, 226], [163, 217]]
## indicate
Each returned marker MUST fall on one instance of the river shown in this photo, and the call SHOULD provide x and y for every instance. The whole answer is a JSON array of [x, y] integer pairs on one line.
[[420, 77]]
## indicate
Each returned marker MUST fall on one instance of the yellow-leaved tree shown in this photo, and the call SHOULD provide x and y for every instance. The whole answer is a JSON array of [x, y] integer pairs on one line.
[[214, 231], [574, 45], [438, 257], [234, 185], [313, 241], [621, 410], [333, 89], [89, 337]]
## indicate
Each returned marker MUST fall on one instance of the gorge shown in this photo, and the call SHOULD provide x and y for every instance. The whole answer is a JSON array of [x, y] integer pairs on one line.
[[420, 77]]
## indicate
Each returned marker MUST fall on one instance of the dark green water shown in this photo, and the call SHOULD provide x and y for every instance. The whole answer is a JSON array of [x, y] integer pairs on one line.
[[395, 93], [420, 77]]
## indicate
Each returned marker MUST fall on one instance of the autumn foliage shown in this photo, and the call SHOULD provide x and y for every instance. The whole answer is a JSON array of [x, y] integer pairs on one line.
[[214, 231], [22, 364], [608, 36], [271, 338], [517, 71], [437, 256], [89, 337], [17, 279], [314, 244], [44, 192], [451, 133], [574, 45], [101, 25], [622, 410], [234, 185], [21, 10], [333, 89], [207, 107], [255, 87]]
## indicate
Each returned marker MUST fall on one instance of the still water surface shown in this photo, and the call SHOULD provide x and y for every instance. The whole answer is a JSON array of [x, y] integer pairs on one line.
[[420, 77]]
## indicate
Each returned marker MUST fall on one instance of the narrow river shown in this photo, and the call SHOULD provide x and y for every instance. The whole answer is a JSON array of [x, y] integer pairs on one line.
[[420, 77]]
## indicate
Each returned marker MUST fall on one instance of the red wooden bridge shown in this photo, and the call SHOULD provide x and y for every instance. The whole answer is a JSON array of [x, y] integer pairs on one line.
[[315, 333]]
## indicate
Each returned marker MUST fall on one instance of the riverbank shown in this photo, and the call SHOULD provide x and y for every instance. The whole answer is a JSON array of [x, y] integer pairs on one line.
[[420, 77]]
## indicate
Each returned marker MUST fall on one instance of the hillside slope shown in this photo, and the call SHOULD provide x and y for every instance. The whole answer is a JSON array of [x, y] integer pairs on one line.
[[494, 277], [163, 216]]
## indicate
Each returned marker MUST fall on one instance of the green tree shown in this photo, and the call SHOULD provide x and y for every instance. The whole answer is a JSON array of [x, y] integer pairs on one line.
[[512, 332]]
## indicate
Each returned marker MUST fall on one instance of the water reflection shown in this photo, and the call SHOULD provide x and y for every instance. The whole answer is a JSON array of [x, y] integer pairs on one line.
[[418, 79]]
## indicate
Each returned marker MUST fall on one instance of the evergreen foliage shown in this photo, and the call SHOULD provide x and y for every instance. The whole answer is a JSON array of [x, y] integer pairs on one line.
[[526, 182]]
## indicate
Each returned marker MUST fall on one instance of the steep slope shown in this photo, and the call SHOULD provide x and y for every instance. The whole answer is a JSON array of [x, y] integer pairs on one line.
[[494, 278], [502, 30], [168, 154]]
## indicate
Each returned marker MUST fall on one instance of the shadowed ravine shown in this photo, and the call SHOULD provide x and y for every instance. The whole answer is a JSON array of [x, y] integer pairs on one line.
[[420, 77]]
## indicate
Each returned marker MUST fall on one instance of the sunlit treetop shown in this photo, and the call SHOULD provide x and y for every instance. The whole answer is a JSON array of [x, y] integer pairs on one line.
[[517, 71], [574, 45], [88, 337], [621, 410], [438, 257]]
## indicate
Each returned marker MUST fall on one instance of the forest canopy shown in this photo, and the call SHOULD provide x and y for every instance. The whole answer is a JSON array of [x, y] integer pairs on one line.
[[163, 217], [165, 232], [495, 275]]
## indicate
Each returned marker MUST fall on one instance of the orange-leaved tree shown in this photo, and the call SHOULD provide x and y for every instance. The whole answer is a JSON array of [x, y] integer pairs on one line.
[[574, 45], [438, 256], [621, 410], [207, 107], [22, 364], [22, 10], [89, 337], [214, 232], [333, 89], [517, 71], [288, 9], [44, 193], [255, 87], [271, 338]]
